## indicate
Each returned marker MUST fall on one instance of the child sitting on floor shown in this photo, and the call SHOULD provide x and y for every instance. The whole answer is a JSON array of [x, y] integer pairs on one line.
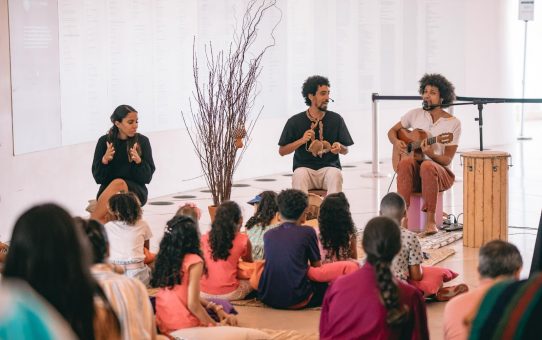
[[178, 270], [337, 229], [222, 248], [264, 219], [407, 264], [128, 236], [338, 242], [288, 250]]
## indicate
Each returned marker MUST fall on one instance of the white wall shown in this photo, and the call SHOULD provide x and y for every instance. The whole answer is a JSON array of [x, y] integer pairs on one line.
[[469, 51]]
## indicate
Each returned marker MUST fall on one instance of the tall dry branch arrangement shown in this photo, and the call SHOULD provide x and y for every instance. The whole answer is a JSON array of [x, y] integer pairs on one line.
[[224, 100]]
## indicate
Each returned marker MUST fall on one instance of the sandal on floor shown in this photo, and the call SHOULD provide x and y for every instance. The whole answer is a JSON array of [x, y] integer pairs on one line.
[[446, 293]]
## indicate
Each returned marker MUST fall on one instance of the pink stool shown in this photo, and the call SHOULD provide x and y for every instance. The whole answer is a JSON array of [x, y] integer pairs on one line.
[[416, 217]]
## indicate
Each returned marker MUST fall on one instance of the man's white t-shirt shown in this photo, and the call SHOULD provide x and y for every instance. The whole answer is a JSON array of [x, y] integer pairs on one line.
[[421, 119]]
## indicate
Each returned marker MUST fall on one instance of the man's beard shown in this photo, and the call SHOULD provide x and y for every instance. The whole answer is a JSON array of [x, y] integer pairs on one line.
[[322, 107]]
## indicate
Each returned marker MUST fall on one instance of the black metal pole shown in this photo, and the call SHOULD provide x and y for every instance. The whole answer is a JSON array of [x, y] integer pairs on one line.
[[480, 125]]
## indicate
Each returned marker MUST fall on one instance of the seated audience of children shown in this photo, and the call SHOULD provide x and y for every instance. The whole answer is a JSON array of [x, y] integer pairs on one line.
[[370, 303], [381, 300]]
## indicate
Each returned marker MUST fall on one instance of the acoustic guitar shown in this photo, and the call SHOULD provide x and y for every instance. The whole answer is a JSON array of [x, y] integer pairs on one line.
[[413, 140]]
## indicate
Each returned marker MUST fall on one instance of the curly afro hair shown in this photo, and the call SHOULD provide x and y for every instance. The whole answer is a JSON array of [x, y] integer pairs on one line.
[[266, 211], [292, 203], [336, 226], [181, 237], [223, 230], [446, 89], [311, 85]]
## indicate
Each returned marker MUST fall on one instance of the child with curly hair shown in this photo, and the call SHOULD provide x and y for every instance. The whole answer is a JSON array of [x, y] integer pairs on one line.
[[338, 240], [337, 229], [128, 236], [222, 247], [178, 271], [264, 219]]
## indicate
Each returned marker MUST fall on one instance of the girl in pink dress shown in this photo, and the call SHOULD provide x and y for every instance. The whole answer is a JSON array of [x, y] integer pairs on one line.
[[178, 270], [223, 247]]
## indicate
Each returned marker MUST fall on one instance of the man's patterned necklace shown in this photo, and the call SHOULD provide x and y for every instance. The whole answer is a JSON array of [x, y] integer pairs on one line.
[[316, 122]]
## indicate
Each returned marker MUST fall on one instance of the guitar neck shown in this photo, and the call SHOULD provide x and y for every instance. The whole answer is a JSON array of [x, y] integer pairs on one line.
[[416, 145]]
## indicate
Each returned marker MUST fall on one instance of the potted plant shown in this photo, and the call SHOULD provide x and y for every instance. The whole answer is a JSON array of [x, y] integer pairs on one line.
[[220, 110]]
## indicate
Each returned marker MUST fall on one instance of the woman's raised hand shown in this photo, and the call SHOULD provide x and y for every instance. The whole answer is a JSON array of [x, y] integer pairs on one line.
[[109, 153], [134, 155]]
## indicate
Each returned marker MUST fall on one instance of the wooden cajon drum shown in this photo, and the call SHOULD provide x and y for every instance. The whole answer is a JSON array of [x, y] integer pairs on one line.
[[416, 217], [485, 197]]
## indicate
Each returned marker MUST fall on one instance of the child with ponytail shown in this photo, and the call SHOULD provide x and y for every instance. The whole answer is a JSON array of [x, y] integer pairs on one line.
[[370, 303], [264, 219]]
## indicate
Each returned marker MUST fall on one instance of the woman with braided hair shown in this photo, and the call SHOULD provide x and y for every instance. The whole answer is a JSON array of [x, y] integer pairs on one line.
[[222, 248], [370, 303], [264, 218]]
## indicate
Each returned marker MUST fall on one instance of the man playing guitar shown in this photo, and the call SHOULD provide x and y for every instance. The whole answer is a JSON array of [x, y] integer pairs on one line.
[[430, 173]]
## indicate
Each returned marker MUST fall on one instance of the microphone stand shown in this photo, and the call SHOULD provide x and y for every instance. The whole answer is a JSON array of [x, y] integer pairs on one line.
[[480, 103]]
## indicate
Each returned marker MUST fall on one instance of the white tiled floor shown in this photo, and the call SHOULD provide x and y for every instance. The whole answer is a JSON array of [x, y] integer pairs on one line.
[[364, 194]]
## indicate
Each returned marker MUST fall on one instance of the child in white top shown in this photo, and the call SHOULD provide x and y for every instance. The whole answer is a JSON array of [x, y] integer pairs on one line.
[[128, 236]]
